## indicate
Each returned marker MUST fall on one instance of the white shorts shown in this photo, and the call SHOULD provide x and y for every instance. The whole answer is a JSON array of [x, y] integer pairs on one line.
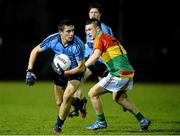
[[115, 84]]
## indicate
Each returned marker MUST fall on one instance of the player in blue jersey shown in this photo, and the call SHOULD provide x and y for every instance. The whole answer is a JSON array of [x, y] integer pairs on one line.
[[99, 68], [95, 11], [65, 82]]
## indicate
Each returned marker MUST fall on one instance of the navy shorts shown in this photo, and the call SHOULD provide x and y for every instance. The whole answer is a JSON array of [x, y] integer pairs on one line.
[[98, 69], [62, 80]]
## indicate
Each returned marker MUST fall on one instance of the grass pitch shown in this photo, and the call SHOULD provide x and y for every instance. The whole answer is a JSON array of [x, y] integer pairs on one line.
[[32, 110]]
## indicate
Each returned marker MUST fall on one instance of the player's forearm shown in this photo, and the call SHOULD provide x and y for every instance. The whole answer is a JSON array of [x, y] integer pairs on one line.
[[33, 57], [79, 69], [91, 60]]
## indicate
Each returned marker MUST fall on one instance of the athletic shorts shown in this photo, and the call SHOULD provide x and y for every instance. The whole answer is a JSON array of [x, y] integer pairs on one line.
[[98, 69], [115, 84], [62, 80]]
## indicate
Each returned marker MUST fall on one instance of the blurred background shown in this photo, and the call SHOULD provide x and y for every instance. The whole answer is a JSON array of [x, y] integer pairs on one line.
[[149, 30]]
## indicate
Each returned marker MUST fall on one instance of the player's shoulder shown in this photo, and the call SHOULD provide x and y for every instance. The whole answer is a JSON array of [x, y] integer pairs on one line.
[[105, 25], [53, 36], [49, 39], [105, 28], [104, 37]]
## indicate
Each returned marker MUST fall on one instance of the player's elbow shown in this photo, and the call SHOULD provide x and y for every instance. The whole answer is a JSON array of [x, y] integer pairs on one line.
[[35, 50]]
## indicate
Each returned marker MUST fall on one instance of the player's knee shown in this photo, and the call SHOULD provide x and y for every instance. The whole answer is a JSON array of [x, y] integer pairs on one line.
[[67, 98], [90, 94], [121, 101], [116, 97], [119, 97], [58, 102]]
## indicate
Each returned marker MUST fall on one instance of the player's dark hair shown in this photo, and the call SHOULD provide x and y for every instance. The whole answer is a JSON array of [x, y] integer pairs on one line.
[[97, 6], [93, 21], [64, 22]]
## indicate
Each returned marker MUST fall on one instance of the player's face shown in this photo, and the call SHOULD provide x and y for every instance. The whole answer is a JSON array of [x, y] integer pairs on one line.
[[91, 31], [67, 34], [94, 13]]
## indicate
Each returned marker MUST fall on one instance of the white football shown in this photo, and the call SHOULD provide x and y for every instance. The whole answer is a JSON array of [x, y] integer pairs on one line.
[[63, 60]]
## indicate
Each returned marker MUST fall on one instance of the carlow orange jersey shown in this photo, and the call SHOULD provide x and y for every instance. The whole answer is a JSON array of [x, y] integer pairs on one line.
[[114, 55]]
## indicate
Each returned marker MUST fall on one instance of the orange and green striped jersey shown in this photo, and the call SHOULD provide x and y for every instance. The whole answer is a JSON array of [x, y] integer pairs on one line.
[[114, 55]]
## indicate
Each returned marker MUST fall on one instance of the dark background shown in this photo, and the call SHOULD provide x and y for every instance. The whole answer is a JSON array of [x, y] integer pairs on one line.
[[149, 30]]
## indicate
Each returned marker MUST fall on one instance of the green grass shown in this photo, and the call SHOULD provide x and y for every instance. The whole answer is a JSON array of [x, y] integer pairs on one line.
[[28, 110]]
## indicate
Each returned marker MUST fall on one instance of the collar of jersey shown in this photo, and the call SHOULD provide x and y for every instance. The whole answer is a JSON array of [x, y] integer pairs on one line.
[[67, 43], [99, 33]]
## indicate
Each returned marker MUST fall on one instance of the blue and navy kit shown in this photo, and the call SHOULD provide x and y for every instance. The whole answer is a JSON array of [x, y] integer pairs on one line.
[[75, 49]]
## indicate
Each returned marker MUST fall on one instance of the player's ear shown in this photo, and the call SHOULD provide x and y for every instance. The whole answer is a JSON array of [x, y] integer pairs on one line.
[[100, 16], [60, 32], [98, 28]]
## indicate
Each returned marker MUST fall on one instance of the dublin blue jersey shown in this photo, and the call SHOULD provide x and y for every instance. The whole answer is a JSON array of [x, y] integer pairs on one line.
[[89, 43], [75, 49]]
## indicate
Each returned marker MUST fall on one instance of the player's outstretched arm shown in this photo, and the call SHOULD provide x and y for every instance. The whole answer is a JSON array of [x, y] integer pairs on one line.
[[93, 58], [35, 51], [30, 76]]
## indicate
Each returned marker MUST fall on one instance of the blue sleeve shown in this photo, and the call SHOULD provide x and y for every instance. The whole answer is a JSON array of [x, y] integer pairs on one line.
[[49, 42], [79, 53], [45, 44], [79, 50], [88, 50]]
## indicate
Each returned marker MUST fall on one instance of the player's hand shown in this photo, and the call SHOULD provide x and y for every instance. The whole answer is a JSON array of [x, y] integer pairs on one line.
[[57, 69], [30, 78]]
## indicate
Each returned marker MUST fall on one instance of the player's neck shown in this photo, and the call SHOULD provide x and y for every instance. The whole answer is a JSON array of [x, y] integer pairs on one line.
[[64, 42]]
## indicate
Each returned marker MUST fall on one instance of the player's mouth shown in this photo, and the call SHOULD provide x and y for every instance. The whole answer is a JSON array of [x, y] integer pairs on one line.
[[70, 38], [90, 36]]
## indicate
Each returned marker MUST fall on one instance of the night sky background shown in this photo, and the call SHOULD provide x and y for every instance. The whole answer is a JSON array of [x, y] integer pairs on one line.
[[149, 31]]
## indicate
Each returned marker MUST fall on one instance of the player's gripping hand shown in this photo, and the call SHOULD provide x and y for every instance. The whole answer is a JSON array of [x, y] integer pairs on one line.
[[57, 69], [30, 78]]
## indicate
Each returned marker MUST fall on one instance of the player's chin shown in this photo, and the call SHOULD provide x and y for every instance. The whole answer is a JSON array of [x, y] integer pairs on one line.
[[70, 39], [92, 38]]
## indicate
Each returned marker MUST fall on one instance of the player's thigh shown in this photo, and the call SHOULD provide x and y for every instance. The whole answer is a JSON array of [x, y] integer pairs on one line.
[[120, 95], [58, 92], [87, 74], [78, 93], [96, 90], [71, 88]]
